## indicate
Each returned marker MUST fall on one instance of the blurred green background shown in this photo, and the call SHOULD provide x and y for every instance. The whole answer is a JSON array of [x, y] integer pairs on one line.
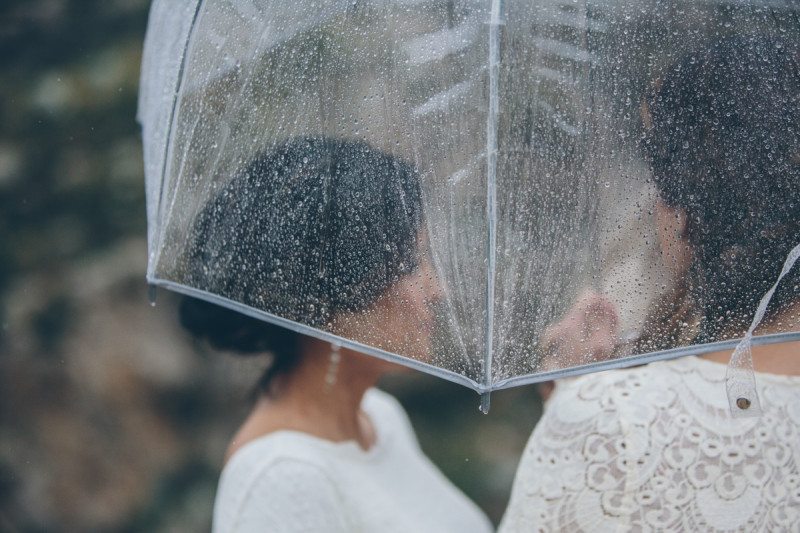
[[110, 418]]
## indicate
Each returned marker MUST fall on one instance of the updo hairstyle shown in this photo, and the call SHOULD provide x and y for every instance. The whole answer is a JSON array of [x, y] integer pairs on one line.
[[312, 228]]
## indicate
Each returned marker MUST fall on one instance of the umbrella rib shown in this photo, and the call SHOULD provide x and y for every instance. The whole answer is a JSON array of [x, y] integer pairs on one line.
[[158, 234], [491, 189], [305, 329]]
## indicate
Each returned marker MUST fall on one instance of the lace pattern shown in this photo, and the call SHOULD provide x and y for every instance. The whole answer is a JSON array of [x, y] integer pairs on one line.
[[655, 448]]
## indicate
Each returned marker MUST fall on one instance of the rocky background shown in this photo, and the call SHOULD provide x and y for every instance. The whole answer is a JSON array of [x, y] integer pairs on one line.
[[110, 419]]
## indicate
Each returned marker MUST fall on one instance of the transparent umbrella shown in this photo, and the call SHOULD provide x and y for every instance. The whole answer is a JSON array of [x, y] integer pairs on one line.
[[549, 154]]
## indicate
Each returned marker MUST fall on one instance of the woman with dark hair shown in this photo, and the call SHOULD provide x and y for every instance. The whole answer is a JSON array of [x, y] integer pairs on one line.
[[655, 447], [328, 234]]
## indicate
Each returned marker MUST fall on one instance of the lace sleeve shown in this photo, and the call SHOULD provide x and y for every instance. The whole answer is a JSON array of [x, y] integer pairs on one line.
[[288, 496]]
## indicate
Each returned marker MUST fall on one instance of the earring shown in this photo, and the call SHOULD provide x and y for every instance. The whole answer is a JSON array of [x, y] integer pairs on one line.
[[333, 366]]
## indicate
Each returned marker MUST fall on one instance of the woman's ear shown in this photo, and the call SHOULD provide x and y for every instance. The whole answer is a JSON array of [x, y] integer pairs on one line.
[[673, 236]]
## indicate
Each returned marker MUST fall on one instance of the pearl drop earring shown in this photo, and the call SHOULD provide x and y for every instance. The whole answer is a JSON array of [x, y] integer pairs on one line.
[[333, 366]]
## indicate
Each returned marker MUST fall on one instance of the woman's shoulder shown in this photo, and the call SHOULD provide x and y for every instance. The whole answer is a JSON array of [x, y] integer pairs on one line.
[[275, 448], [640, 382], [282, 453], [636, 394], [289, 449], [282, 479]]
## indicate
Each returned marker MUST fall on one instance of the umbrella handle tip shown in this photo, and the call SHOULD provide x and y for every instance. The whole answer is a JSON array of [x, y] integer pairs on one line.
[[486, 399], [152, 294]]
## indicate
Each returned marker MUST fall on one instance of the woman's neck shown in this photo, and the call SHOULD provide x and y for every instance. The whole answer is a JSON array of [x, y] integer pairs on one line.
[[305, 402], [331, 409]]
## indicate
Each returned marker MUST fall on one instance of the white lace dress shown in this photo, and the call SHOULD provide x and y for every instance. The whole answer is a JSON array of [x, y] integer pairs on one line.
[[291, 482], [654, 448]]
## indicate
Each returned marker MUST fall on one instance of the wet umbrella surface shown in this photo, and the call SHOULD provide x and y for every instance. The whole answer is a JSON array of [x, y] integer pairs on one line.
[[525, 145]]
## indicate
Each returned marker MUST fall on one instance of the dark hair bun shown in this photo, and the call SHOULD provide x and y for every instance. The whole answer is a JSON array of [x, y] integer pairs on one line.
[[229, 330], [308, 229]]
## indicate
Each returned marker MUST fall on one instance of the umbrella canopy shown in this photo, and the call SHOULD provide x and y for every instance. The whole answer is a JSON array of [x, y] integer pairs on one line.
[[304, 158]]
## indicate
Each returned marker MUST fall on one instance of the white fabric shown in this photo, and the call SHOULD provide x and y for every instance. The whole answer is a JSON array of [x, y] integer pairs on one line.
[[293, 482], [655, 448]]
